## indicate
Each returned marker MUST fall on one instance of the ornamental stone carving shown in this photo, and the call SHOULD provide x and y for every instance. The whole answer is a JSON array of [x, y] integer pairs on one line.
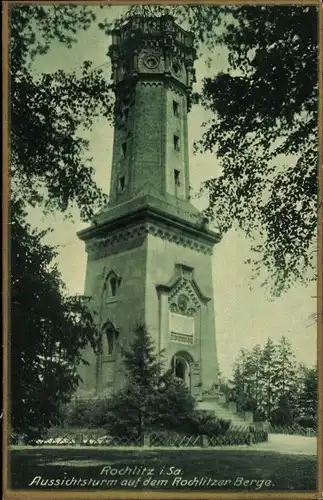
[[96, 248], [183, 299], [150, 59]]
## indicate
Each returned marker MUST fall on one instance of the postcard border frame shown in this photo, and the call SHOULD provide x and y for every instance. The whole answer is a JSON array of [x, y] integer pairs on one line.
[[154, 495]]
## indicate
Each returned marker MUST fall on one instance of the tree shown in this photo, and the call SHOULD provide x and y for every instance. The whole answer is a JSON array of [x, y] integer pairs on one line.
[[287, 367], [282, 415], [242, 391], [224, 385], [48, 332], [307, 403], [264, 111], [49, 112], [151, 397], [49, 166], [269, 377], [265, 380]]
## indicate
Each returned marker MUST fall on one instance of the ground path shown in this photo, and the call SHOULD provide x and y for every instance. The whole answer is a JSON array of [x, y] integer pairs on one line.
[[282, 463], [286, 444]]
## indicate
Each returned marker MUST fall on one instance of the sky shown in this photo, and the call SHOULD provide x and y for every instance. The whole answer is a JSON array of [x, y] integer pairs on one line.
[[245, 313]]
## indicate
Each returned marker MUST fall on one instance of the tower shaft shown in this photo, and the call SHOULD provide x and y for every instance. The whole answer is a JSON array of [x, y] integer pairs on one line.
[[150, 250]]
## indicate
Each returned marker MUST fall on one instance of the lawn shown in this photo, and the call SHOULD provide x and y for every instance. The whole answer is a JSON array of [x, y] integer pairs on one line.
[[204, 470]]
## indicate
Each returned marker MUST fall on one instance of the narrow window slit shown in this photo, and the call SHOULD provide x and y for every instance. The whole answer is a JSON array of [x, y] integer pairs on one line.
[[124, 149], [121, 183], [176, 142], [177, 177], [175, 108]]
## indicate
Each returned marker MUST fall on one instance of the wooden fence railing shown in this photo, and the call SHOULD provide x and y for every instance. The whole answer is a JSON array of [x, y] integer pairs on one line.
[[293, 430], [234, 436]]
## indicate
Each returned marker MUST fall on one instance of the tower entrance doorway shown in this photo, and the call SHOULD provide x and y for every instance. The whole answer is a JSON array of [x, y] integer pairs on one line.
[[181, 366]]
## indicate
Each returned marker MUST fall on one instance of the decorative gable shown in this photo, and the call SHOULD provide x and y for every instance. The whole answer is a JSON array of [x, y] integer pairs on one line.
[[185, 299], [183, 305]]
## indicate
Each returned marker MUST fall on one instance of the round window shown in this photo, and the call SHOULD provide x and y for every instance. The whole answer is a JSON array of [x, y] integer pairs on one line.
[[182, 303], [151, 62], [176, 68]]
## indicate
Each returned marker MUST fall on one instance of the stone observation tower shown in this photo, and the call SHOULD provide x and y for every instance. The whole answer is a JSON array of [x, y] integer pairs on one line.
[[150, 250]]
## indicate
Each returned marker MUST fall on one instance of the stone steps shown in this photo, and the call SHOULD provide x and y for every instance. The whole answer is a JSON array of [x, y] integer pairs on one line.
[[220, 411]]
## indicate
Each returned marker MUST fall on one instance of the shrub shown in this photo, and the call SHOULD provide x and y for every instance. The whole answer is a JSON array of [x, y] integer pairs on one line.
[[33, 434], [283, 414], [203, 423], [306, 421], [92, 414], [99, 413], [258, 416], [260, 435], [75, 414]]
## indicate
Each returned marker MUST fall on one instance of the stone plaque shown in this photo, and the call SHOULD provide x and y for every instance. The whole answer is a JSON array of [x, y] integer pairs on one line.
[[185, 325]]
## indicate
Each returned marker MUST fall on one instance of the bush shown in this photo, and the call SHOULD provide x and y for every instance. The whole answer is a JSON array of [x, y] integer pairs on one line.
[[201, 423], [118, 427], [75, 414], [307, 422], [283, 414], [99, 413], [30, 437], [92, 414], [258, 416]]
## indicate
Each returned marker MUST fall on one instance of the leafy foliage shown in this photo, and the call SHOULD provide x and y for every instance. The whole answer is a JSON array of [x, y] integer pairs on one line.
[[207, 424], [89, 414], [49, 112], [265, 113], [49, 168], [272, 48], [48, 331]]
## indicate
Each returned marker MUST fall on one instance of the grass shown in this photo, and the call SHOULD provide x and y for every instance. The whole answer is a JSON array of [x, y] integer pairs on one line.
[[270, 471]]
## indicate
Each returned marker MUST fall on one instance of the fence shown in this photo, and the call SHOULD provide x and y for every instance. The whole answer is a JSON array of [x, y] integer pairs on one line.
[[234, 436], [293, 430], [239, 436]]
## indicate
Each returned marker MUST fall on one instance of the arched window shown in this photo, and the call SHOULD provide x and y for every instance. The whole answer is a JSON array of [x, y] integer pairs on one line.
[[110, 340], [111, 285], [110, 333]]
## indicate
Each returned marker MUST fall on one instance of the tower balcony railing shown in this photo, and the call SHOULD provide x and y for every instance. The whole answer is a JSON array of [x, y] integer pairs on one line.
[[156, 26]]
